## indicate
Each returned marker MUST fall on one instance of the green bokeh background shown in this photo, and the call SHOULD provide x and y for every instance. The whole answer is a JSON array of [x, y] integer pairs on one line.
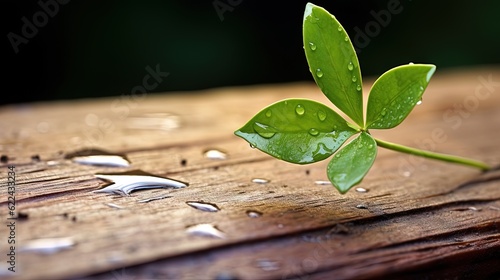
[[101, 48]]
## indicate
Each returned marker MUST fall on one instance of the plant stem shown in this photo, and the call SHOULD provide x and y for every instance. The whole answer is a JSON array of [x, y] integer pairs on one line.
[[444, 157]]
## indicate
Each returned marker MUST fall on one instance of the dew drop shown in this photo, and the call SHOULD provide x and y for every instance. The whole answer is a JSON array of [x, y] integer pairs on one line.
[[346, 38], [321, 115], [214, 154], [203, 206], [260, 181], [339, 28], [253, 213], [312, 46], [313, 132], [300, 110], [384, 112], [361, 190], [411, 63], [419, 102], [361, 206], [319, 73], [269, 113], [358, 87], [252, 146], [354, 79], [206, 230], [350, 66]]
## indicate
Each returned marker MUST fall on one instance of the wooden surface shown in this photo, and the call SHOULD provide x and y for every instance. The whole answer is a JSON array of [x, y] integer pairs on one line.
[[419, 218]]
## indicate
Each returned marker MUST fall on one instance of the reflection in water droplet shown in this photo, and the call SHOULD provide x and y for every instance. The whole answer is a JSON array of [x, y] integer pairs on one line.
[[319, 73], [300, 110], [214, 154], [203, 206], [350, 66], [312, 46], [268, 265], [321, 115], [269, 113], [206, 230], [254, 214], [322, 183], [361, 190], [260, 181], [313, 132]]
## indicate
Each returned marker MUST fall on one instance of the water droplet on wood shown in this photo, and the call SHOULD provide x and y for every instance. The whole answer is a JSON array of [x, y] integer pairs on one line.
[[215, 154], [206, 230], [203, 206], [125, 182]]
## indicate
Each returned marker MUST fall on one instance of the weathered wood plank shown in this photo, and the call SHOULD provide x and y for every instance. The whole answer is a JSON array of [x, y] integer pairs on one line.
[[420, 215]]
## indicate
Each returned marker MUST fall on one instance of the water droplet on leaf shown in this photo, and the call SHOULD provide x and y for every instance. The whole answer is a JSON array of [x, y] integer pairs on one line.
[[358, 87], [419, 102], [321, 115], [300, 110], [339, 28], [354, 79], [264, 130], [312, 46], [313, 132], [350, 66], [269, 113], [319, 73]]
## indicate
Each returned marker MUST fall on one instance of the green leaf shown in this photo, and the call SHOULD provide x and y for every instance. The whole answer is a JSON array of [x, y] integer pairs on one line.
[[333, 62], [395, 93], [297, 130], [350, 165]]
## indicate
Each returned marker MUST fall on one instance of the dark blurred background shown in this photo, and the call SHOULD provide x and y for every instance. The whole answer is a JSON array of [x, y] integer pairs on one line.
[[85, 49]]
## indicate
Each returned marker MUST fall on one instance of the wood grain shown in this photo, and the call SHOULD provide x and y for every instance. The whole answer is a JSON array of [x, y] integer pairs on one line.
[[419, 218]]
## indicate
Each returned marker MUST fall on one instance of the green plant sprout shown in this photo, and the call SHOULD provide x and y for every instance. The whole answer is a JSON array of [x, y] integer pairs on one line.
[[303, 131]]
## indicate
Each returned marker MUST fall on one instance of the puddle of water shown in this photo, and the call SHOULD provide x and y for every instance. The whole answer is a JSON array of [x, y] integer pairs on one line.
[[47, 245], [126, 182], [203, 206], [206, 230]]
